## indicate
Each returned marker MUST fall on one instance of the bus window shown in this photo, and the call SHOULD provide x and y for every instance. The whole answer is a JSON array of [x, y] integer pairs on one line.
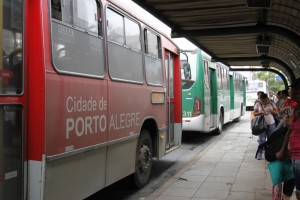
[[115, 27], [67, 15], [132, 33], [86, 20], [153, 44], [154, 67], [11, 69], [56, 9], [219, 78], [124, 51], [73, 50]]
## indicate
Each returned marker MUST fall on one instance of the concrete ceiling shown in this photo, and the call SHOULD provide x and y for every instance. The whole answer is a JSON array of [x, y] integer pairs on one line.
[[237, 33]]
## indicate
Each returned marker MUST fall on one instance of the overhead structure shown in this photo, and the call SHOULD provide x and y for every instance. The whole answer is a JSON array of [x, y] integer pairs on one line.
[[262, 33]]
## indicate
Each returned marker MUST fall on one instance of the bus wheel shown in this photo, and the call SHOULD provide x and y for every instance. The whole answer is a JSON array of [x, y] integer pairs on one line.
[[143, 160], [220, 125]]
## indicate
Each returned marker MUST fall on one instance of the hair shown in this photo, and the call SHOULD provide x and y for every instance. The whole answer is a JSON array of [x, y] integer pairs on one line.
[[259, 92], [296, 84], [263, 96], [279, 93], [285, 92]]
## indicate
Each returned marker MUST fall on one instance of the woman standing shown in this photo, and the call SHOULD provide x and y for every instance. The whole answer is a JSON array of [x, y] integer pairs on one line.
[[267, 109]]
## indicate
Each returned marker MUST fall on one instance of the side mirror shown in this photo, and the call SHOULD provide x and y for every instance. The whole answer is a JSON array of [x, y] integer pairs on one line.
[[187, 71]]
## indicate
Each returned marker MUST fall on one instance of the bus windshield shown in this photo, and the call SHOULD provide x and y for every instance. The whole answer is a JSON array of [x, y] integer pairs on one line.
[[251, 91], [255, 86]]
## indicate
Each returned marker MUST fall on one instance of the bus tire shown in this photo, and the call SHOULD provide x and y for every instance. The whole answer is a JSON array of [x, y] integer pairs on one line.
[[143, 164], [220, 125]]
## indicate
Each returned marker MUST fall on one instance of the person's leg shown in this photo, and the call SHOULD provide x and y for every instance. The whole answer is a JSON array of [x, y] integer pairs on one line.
[[296, 163], [271, 129], [288, 188], [261, 139], [297, 195]]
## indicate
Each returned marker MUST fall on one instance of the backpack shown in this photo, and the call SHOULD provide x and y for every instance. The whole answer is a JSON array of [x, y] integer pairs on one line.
[[273, 144]]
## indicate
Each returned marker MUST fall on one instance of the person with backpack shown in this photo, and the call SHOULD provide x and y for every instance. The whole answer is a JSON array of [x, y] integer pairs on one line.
[[265, 108], [291, 143]]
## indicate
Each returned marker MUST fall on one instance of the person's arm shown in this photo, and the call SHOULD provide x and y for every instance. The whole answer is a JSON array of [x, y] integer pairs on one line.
[[274, 110], [256, 112], [282, 110]]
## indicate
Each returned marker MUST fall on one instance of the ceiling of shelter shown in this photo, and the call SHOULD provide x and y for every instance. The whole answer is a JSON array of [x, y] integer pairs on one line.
[[262, 33]]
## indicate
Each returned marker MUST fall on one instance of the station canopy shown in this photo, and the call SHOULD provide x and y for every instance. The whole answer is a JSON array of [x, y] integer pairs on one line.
[[264, 33]]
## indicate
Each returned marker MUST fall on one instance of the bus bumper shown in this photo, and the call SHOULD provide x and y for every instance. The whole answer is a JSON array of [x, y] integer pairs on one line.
[[193, 123]]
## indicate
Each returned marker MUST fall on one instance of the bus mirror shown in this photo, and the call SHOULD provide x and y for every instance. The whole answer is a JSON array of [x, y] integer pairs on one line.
[[187, 71]]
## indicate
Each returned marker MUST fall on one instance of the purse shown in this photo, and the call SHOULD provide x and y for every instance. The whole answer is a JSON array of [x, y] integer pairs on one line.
[[281, 171], [259, 125]]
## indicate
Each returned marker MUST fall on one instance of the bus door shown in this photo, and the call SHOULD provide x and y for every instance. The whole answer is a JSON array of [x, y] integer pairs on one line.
[[214, 98], [169, 63], [232, 100], [12, 101], [207, 96]]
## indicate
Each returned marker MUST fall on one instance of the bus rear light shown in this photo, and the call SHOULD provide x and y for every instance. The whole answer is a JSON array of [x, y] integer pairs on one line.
[[197, 107]]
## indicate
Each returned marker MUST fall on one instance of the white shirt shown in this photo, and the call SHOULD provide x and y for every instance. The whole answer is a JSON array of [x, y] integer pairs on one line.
[[269, 117]]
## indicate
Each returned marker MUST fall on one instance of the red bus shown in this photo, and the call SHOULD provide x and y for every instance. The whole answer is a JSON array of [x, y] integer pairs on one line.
[[89, 94]]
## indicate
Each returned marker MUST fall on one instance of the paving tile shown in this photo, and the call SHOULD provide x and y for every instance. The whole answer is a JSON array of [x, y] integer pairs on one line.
[[164, 197], [220, 179], [241, 196], [198, 172], [187, 184], [193, 177], [216, 186], [180, 192], [224, 172], [205, 194]]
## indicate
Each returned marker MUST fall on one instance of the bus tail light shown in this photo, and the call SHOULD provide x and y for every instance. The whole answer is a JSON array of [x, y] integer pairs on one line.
[[197, 107]]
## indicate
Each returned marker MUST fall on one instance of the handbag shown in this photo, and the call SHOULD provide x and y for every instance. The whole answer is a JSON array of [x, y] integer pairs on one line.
[[281, 171], [259, 125]]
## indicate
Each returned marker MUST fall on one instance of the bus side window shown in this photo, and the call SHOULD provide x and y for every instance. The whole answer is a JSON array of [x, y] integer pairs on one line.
[[115, 27], [153, 45], [153, 64], [62, 11], [132, 34], [86, 20], [75, 13], [56, 9]]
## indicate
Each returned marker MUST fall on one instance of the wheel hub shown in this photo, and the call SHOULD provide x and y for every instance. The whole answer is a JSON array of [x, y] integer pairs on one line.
[[144, 160]]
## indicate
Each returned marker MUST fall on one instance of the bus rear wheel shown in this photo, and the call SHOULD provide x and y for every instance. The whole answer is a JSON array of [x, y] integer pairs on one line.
[[143, 160], [220, 125]]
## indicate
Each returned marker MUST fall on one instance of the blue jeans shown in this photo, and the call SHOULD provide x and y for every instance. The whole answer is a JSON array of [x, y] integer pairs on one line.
[[262, 137]]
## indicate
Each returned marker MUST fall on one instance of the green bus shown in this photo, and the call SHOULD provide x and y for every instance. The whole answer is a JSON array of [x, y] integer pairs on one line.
[[211, 94]]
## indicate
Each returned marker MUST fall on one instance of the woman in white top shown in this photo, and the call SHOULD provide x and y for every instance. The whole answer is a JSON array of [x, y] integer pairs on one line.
[[267, 109]]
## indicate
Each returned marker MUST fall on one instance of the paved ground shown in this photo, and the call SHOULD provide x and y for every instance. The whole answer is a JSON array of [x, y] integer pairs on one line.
[[226, 169]]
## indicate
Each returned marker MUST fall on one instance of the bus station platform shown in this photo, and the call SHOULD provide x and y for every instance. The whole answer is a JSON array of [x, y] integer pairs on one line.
[[226, 169]]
